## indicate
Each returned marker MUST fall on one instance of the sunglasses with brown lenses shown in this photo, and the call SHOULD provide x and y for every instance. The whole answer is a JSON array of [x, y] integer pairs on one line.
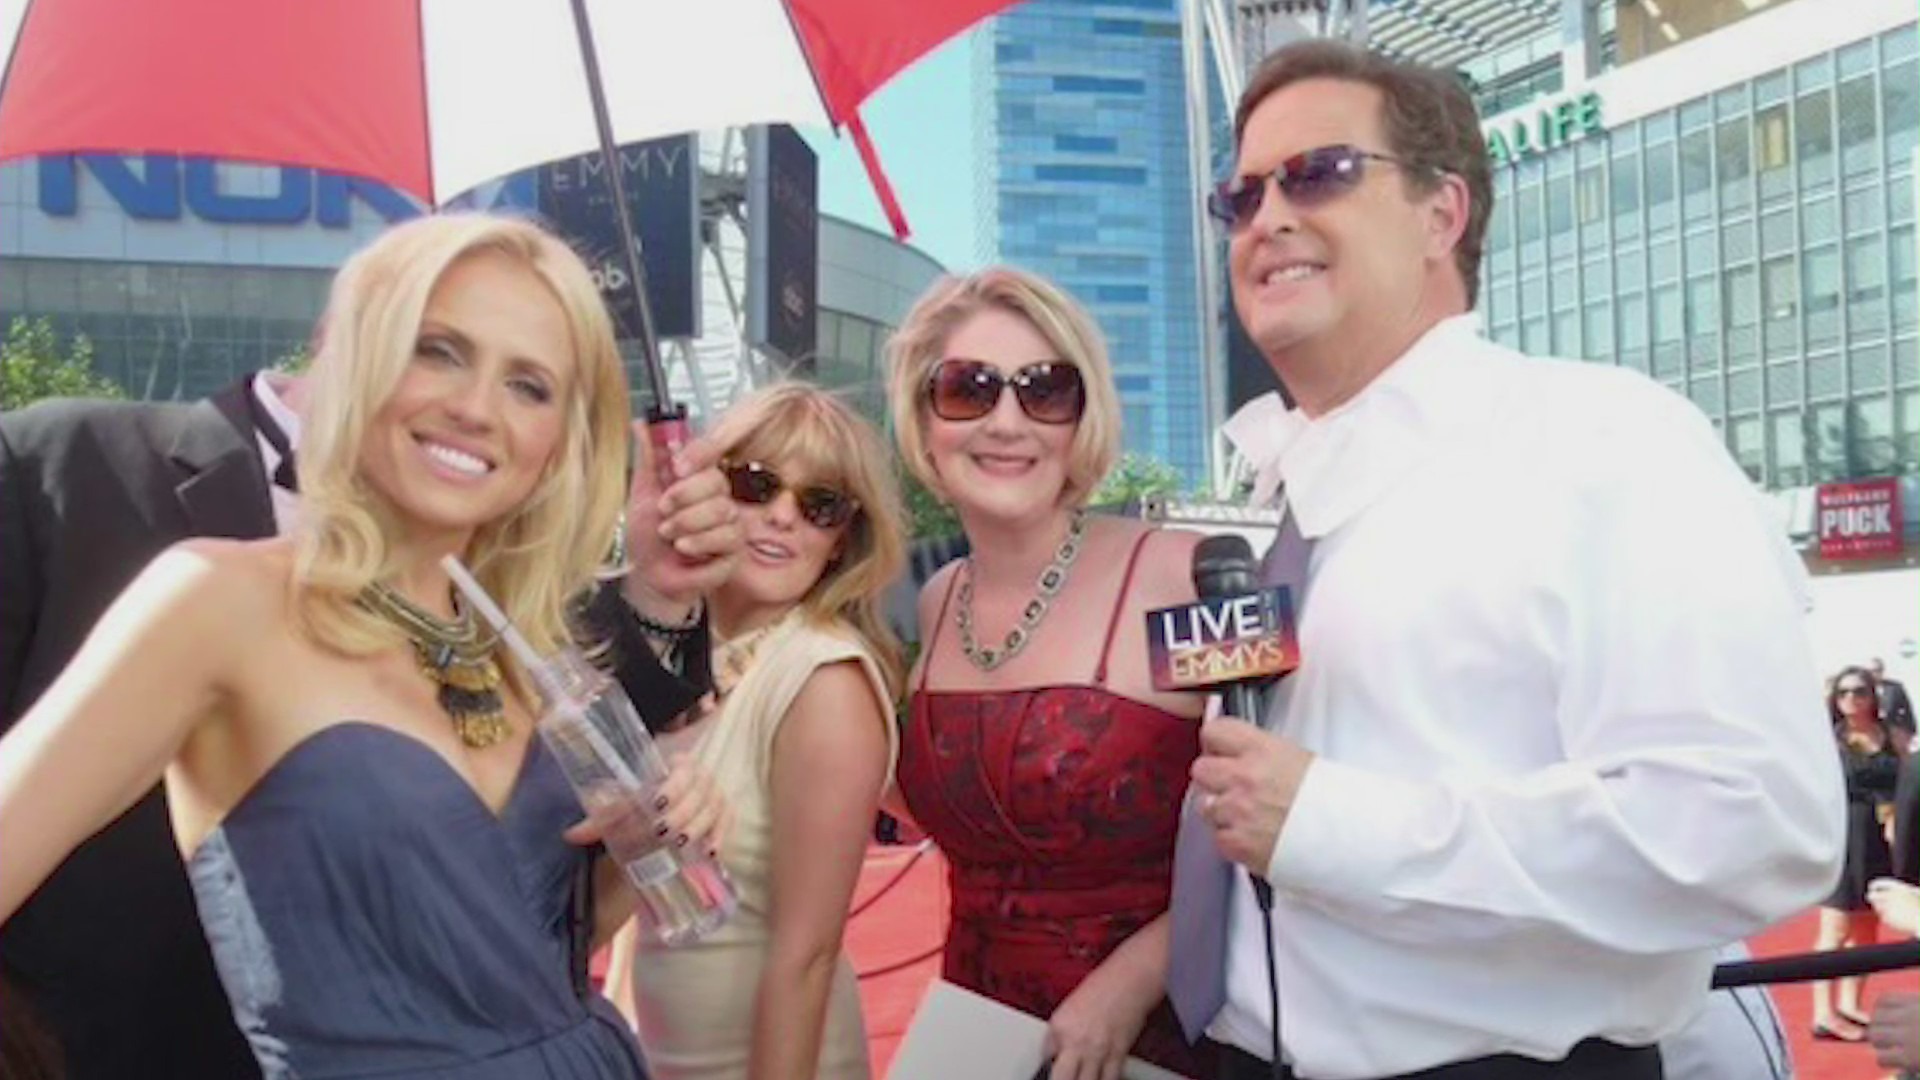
[[757, 484]]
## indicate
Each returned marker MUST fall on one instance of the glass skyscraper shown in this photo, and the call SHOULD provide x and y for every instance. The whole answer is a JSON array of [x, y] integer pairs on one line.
[[1087, 182]]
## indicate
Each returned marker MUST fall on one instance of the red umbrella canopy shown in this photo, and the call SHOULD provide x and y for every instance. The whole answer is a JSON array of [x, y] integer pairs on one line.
[[436, 96]]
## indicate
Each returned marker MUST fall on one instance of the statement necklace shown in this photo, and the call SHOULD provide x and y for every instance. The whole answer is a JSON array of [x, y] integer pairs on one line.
[[1052, 580], [454, 656]]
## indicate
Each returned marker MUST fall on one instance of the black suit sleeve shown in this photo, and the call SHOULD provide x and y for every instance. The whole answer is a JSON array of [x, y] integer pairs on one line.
[[658, 694], [20, 597]]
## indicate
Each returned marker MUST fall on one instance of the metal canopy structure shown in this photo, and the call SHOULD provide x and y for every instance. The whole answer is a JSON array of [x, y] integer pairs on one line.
[[1444, 33], [1450, 33]]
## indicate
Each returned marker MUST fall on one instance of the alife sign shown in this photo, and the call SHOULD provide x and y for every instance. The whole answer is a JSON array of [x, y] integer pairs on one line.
[[1859, 519], [1549, 128]]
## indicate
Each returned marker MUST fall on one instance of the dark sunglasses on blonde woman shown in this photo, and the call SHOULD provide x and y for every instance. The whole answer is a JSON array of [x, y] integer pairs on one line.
[[756, 484], [1049, 392]]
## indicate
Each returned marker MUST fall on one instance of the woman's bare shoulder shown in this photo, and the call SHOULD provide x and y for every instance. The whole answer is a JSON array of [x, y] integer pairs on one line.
[[1165, 574], [934, 592], [238, 577]]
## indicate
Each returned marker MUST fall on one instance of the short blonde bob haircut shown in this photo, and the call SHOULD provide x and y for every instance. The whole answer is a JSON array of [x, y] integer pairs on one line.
[[809, 435], [921, 343], [539, 560]]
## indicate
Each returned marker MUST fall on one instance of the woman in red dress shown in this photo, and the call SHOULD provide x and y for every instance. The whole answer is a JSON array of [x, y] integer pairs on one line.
[[1037, 753]]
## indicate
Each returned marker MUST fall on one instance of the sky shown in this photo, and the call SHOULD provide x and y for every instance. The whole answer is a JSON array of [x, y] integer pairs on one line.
[[922, 126]]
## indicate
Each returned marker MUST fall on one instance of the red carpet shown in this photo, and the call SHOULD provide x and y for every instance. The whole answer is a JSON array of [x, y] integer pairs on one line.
[[910, 920], [1821, 1060], [907, 923]]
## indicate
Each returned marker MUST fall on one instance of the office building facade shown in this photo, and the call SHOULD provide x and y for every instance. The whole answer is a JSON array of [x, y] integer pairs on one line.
[[1085, 134]]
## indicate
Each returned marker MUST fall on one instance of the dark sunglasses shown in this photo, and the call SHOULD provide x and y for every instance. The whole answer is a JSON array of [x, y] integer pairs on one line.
[[1853, 691], [1306, 179], [755, 484], [1049, 392]]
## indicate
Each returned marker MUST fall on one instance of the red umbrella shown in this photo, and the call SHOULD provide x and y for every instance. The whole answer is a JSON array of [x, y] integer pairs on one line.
[[436, 96]]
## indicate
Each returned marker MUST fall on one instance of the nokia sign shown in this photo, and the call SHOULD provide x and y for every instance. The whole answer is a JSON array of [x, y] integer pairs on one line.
[[162, 187]]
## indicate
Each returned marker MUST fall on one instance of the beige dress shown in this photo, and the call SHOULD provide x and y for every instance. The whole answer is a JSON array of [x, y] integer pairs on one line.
[[695, 1003]]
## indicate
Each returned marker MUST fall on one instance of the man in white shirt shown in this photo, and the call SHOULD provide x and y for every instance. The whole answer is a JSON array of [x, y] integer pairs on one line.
[[1556, 735]]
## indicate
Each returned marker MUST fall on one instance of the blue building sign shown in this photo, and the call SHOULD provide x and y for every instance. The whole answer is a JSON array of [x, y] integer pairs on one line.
[[163, 187]]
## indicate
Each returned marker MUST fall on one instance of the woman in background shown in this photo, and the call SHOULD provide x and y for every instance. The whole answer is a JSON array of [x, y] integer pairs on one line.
[[1870, 756], [1037, 753], [801, 741]]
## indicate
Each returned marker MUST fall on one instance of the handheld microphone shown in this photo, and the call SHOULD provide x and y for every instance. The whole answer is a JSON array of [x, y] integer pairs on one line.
[[1235, 639]]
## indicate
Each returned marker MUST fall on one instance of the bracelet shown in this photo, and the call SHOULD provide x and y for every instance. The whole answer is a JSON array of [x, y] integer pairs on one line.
[[670, 633]]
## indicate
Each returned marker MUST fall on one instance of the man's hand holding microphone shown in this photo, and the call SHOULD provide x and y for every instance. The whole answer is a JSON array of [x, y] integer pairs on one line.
[[1236, 639]]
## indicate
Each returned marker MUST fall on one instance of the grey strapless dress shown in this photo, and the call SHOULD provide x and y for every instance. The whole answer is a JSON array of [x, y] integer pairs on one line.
[[370, 917]]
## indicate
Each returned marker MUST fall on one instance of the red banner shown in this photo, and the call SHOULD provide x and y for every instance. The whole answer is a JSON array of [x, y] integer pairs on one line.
[[1859, 519]]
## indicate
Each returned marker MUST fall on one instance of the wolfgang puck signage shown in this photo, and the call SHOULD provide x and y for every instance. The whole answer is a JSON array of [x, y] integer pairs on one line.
[[1859, 519]]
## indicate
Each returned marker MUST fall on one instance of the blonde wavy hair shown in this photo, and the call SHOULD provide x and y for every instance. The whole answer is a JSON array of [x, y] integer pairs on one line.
[[538, 561], [803, 430], [921, 342]]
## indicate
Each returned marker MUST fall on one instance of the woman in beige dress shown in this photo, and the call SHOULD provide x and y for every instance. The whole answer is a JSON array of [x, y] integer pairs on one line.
[[801, 741]]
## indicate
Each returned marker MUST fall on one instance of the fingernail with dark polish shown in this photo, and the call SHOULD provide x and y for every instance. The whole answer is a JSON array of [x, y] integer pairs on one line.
[[661, 830], [680, 841], [660, 803]]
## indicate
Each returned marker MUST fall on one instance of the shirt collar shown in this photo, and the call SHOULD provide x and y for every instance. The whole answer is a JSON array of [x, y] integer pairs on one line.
[[1261, 430], [1336, 464], [276, 410]]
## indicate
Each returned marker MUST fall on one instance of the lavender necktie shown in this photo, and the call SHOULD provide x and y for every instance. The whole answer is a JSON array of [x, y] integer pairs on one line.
[[1203, 879]]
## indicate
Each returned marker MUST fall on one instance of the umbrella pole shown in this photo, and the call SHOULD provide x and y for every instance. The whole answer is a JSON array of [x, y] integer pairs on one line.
[[666, 421]]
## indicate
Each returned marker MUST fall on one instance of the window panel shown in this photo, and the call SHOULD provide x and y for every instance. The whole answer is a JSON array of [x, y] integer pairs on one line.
[[1901, 289], [1867, 284], [1867, 368], [1772, 151], [1702, 251], [1626, 197], [1742, 297], [1747, 442], [1907, 431], [1590, 195], [1864, 209], [1813, 139], [1859, 149], [1703, 306], [1826, 437], [1696, 175], [1734, 163], [1783, 383], [1560, 207], [1900, 109], [1822, 295], [1599, 331], [1870, 434], [1633, 321], [1668, 326], [1660, 186], [1779, 300], [1819, 220]]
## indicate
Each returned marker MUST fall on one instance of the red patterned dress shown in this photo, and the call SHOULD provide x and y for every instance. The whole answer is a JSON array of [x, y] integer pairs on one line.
[[1056, 808]]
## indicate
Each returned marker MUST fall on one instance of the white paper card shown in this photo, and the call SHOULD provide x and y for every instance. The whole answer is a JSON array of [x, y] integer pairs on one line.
[[959, 1035]]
